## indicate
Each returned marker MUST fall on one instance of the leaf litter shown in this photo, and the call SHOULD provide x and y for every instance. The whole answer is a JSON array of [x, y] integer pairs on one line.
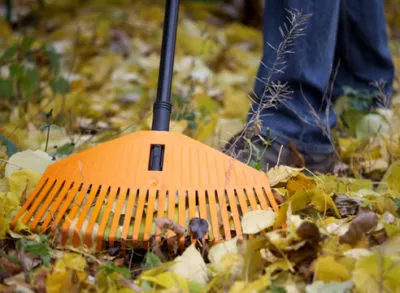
[[342, 231]]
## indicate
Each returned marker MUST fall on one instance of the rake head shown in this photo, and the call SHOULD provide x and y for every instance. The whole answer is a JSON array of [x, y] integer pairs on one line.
[[107, 194]]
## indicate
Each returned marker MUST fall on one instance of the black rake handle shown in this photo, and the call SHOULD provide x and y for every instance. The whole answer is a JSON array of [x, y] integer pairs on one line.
[[162, 105]]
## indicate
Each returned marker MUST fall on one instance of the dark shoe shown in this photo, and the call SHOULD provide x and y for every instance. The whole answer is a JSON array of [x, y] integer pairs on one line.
[[257, 150]]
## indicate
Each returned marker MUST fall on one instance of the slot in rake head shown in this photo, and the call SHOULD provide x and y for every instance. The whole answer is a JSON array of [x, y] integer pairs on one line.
[[107, 194]]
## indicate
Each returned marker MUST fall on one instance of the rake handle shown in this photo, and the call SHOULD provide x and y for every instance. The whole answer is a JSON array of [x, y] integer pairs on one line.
[[162, 106]]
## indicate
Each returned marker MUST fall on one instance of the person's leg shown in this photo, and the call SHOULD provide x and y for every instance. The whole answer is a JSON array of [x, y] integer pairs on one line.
[[363, 52], [306, 73], [355, 33]]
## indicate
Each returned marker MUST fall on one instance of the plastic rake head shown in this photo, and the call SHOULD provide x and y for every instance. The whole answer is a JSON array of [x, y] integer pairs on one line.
[[107, 196]]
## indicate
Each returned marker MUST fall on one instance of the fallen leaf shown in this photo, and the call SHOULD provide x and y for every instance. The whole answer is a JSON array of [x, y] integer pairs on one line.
[[11, 267], [256, 221], [327, 269], [393, 181], [198, 227], [35, 160], [191, 266], [377, 273], [357, 253], [346, 205], [362, 224], [258, 285], [281, 174], [170, 225], [309, 231], [331, 287], [218, 251], [300, 182], [371, 125]]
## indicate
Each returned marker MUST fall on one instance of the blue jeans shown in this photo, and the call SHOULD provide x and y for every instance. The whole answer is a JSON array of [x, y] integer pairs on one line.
[[343, 36]]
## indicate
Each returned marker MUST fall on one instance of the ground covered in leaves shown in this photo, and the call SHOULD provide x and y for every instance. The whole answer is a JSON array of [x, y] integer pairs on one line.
[[75, 75]]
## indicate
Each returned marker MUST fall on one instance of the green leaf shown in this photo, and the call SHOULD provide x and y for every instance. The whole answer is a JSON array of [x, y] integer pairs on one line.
[[255, 165], [66, 149], [6, 88], [26, 44], [9, 53], [39, 249], [16, 70], [151, 261], [51, 53], [60, 85], [30, 82], [110, 268], [195, 287]]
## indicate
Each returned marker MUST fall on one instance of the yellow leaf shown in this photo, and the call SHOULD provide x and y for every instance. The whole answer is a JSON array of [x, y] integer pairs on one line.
[[393, 181], [68, 274], [218, 251], [178, 126], [4, 218], [206, 128], [152, 13], [169, 280], [377, 273], [258, 285], [256, 221], [191, 266], [282, 265], [205, 48], [111, 283], [20, 184], [322, 202], [281, 174], [205, 104], [230, 262], [236, 104], [71, 261], [224, 131], [23, 181], [236, 32], [33, 160], [327, 269], [300, 182], [65, 281]]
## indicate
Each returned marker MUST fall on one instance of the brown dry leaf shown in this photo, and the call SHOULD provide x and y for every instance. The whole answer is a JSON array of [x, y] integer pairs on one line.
[[163, 223], [362, 224], [11, 267], [309, 231], [298, 158]]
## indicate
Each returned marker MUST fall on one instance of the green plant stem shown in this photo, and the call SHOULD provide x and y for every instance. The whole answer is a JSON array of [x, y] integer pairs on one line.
[[47, 138]]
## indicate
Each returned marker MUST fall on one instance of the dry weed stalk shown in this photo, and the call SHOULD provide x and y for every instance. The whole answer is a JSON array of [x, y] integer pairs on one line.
[[275, 92]]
